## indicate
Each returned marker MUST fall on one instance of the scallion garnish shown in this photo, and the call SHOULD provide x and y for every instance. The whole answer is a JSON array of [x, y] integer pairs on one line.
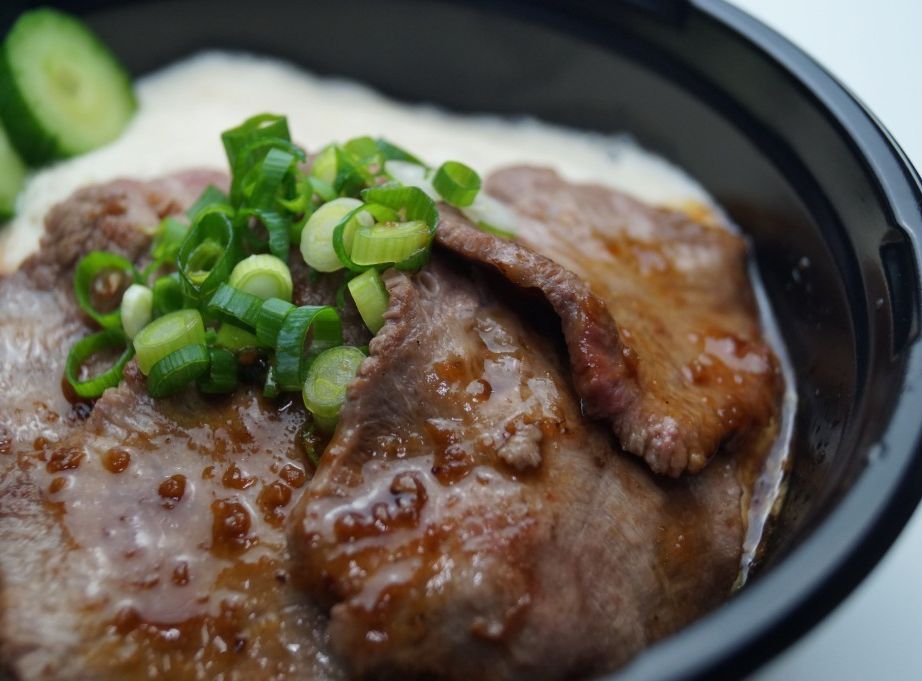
[[371, 298], [221, 376], [168, 238], [167, 294], [317, 235], [208, 254], [167, 334], [325, 384], [86, 347], [212, 196], [225, 286], [290, 350], [235, 338], [176, 370], [457, 183], [271, 316], [103, 275], [136, 309], [389, 242], [229, 304], [391, 152], [263, 276], [412, 175], [262, 126]]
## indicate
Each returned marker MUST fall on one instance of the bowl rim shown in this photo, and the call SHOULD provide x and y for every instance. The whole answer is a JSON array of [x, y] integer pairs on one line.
[[795, 594], [790, 598]]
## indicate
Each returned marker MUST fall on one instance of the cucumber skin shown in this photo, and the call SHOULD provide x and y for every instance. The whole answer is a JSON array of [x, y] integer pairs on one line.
[[27, 136], [14, 174], [35, 145]]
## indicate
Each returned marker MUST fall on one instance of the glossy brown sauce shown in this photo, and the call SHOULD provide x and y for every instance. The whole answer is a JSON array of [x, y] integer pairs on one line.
[[426, 485], [185, 526]]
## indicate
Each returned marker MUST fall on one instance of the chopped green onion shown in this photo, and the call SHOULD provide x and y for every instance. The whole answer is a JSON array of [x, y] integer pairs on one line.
[[271, 316], [389, 242], [390, 204], [208, 254], [177, 369], [412, 174], [327, 379], [351, 175], [212, 196], [457, 183], [410, 203], [92, 267], [322, 189], [168, 239], [167, 334], [263, 276], [317, 235], [492, 215], [136, 309], [222, 373], [290, 362], [85, 348], [232, 305], [363, 149], [371, 298], [234, 338], [278, 226], [262, 126], [167, 294], [391, 152], [324, 165]]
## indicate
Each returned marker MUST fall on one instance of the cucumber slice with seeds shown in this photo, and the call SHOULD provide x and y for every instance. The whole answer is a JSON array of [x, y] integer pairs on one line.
[[12, 176], [62, 92]]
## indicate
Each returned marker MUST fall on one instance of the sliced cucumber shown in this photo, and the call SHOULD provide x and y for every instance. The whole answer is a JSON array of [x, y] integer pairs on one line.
[[12, 176], [62, 92]]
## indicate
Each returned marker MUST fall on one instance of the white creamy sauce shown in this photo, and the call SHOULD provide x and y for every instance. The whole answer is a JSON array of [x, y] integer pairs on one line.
[[184, 108]]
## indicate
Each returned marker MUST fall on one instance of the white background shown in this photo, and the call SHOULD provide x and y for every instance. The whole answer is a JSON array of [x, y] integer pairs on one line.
[[875, 48]]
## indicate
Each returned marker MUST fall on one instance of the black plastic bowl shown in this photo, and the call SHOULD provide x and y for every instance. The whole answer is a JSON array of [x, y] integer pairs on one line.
[[830, 202]]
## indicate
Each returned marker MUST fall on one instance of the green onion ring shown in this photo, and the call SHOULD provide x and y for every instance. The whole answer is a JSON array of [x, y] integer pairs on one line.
[[290, 361], [167, 294], [166, 334], [261, 126], [208, 254], [233, 305], [89, 267], [457, 183], [85, 348], [325, 384], [177, 369], [221, 376], [270, 319]]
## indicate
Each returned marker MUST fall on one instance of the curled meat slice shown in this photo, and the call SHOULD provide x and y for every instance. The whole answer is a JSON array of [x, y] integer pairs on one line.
[[658, 313]]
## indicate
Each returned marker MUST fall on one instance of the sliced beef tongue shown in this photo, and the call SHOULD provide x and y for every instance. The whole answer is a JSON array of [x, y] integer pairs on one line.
[[143, 539], [657, 310], [468, 522], [149, 543], [39, 318]]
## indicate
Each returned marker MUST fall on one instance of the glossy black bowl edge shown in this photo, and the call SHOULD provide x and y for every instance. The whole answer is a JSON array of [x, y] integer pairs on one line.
[[856, 534], [767, 617], [699, 652]]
